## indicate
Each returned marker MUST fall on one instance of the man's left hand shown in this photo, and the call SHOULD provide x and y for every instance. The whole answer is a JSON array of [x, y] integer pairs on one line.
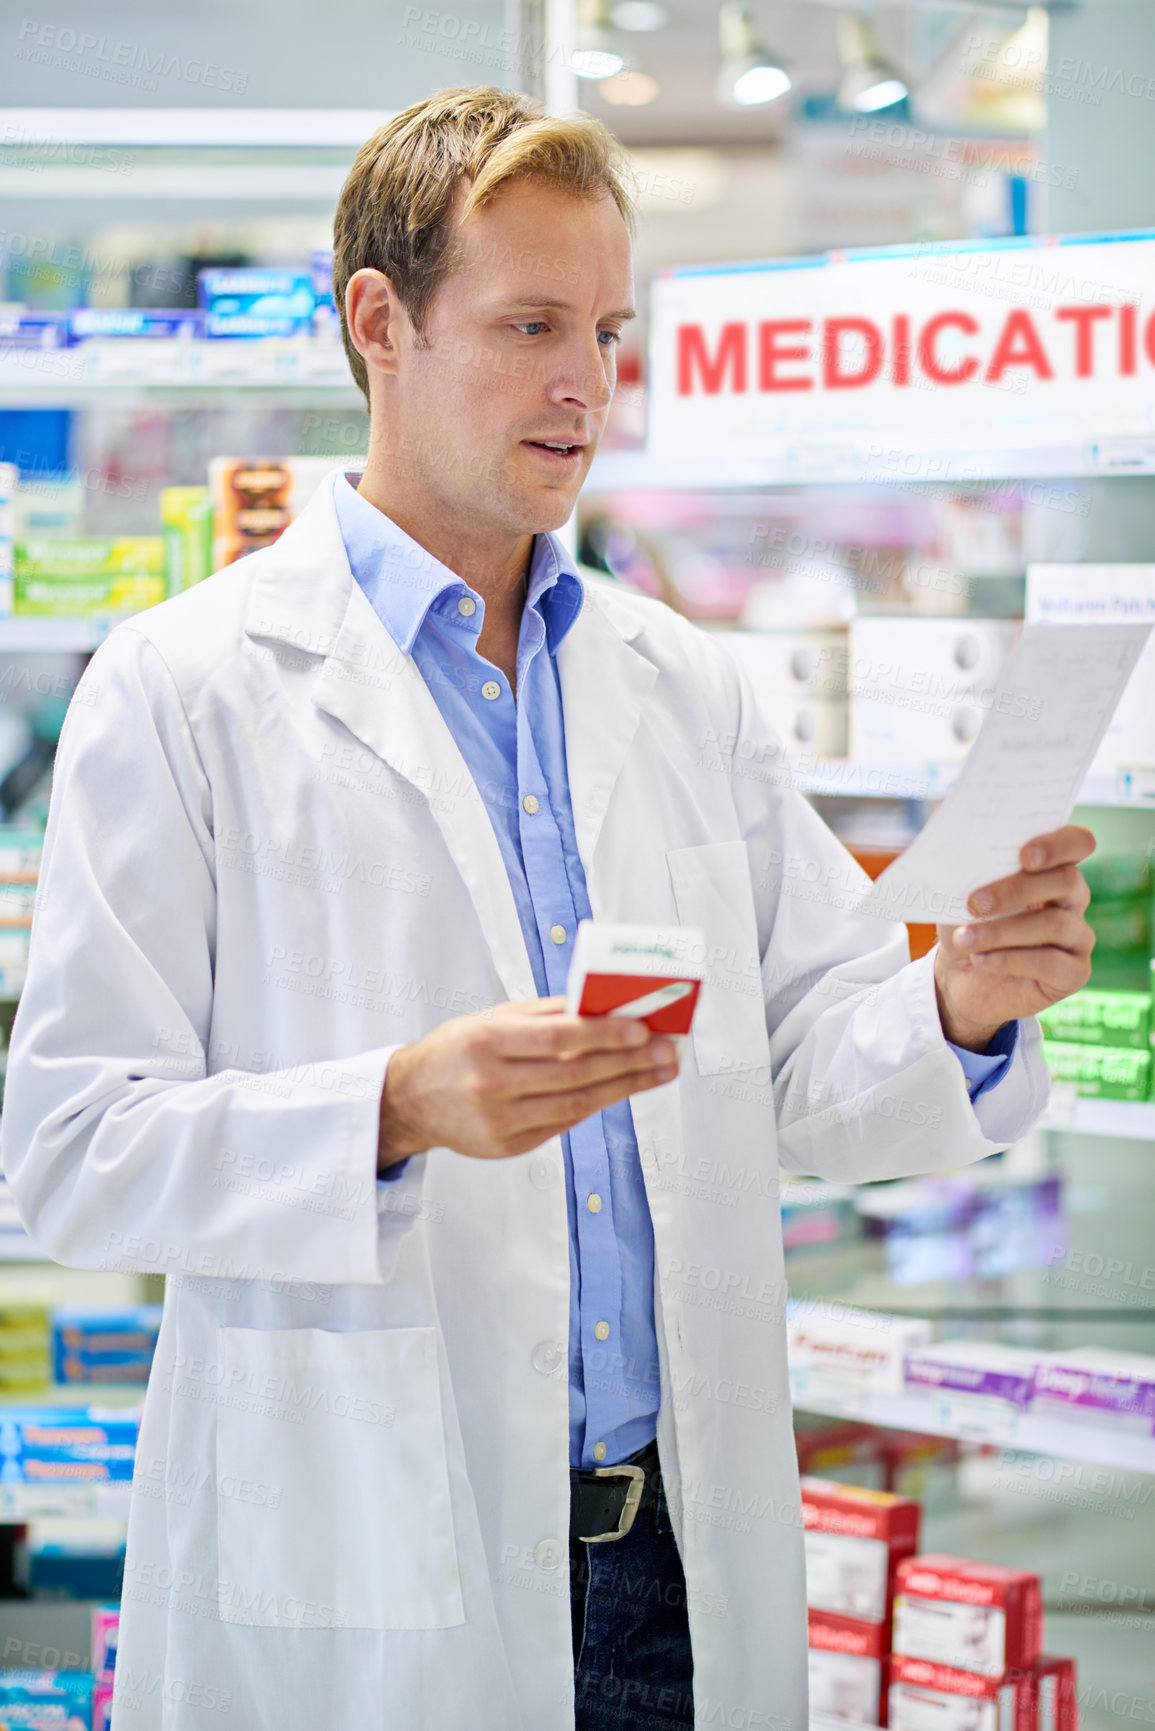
[[1031, 947]]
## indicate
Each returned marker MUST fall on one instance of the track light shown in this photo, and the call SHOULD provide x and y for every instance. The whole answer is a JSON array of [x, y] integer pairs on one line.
[[596, 55], [750, 74], [869, 80]]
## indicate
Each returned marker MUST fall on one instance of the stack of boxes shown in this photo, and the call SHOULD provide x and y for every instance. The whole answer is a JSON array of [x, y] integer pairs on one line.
[[105, 1634], [967, 1651], [9, 477], [800, 678], [855, 1540], [20, 851], [186, 520], [920, 688], [46, 1700], [25, 1349], [66, 1445], [70, 577]]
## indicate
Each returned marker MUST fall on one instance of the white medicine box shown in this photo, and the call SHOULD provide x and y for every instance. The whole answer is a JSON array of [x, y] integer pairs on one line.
[[920, 688], [799, 678]]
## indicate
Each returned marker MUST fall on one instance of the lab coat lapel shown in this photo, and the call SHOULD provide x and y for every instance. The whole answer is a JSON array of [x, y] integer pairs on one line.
[[604, 685], [306, 595]]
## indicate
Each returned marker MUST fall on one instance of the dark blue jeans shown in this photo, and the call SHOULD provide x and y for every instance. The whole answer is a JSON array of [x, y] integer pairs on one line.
[[631, 1637]]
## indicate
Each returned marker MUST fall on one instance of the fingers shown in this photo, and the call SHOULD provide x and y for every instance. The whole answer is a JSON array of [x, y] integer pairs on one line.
[[1064, 884], [554, 1034], [523, 1077], [1065, 846], [1061, 972], [1064, 928], [541, 1116]]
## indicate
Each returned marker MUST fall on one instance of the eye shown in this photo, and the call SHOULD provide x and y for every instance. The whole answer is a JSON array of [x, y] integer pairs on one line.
[[614, 337], [532, 327]]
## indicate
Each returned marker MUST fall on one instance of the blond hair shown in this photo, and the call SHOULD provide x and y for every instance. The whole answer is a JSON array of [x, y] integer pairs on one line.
[[396, 209]]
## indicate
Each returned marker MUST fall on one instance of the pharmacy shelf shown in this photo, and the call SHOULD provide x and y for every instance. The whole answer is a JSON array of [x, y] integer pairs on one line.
[[53, 635], [942, 1414], [94, 1394], [171, 365], [853, 461], [844, 778], [104, 1502], [1133, 1118]]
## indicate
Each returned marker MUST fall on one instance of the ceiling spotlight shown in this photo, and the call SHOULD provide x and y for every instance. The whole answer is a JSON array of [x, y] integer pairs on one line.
[[595, 55], [639, 15], [750, 74], [869, 80]]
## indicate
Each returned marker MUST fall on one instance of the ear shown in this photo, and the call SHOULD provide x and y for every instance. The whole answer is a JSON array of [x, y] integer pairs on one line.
[[376, 318]]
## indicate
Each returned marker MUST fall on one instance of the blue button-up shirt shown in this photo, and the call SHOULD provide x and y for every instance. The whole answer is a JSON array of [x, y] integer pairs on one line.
[[515, 751]]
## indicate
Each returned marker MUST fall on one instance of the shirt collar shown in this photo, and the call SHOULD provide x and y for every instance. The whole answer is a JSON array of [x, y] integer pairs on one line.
[[405, 584]]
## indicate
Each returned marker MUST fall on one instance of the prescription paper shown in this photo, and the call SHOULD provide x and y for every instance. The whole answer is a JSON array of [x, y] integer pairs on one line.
[[1022, 775]]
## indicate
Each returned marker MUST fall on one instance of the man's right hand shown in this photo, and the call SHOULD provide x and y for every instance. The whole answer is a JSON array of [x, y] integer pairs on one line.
[[505, 1081]]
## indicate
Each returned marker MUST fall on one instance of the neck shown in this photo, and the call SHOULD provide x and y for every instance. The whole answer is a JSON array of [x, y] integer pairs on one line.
[[493, 562]]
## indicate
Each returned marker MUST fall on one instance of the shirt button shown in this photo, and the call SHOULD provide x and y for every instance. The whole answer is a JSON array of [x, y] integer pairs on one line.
[[467, 605], [543, 1172], [594, 1202], [491, 689], [557, 933], [547, 1554], [546, 1357], [529, 804], [601, 1330], [599, 1451]]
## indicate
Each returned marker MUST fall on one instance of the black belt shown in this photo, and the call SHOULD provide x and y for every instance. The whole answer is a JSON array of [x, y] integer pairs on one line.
[[604, 1500]]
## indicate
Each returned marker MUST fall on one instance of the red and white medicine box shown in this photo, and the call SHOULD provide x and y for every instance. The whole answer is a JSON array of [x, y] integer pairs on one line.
[[1057, 1697], [849, 1668], [977, 1617], [652, 973], [854, 1540], [929, 1697]]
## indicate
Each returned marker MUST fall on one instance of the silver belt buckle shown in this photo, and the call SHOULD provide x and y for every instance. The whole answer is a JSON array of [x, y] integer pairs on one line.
[[637, 1478]]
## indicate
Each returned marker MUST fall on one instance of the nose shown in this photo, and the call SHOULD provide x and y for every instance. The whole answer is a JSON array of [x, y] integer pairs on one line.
[[584, 380]]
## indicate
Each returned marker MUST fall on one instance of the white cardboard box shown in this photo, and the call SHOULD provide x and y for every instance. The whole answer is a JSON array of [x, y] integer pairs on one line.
[[919, 688]]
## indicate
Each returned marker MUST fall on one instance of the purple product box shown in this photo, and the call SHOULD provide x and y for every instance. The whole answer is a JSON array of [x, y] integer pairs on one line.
[[28, 330], [1103, 1386], [925, 1370]]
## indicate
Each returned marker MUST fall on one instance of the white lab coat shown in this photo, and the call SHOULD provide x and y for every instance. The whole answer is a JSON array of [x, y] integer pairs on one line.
[[266, 866]]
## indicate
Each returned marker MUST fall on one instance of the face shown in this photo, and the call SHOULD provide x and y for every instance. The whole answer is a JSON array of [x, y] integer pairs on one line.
[[496, 417]]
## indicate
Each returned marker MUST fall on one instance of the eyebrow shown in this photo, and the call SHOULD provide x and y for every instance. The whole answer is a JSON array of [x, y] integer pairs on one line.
[[567, 307]]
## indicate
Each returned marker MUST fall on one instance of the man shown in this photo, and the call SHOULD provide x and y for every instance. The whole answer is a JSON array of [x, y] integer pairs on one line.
[[438, 1253]]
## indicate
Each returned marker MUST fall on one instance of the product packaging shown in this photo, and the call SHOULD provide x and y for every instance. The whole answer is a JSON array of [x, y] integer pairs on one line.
[[977, 1617], [800, 680], [926, 1696], [25, 1349], [1100, 1072], [22, 329], [21, 848], [78, 1562], [9, 483], [252, 302], [105, 1346], [66, 1445], [919, 688], [84, 323], [855, 1539], [817, 1213], [89, 575], [102, 1707], [1098, 1018], [326, 323], [255, 500], [105, 1634], [848, 1663], [186, 518], [1056, 1694], [840, 1449], [862, 1346], [46, 1700], [651, 973], [1097, 1385], [979, 1370], [921, 1466]]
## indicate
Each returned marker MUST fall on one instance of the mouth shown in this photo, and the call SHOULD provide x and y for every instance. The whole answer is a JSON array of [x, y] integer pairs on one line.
[[559, 453]]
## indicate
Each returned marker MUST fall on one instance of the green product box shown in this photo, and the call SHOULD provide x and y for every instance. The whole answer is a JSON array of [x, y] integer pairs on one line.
[[1120, 924], [1111, 876], [186, 515], [69, 597], [1098, 1018], [1100, 1072], [89, 556]]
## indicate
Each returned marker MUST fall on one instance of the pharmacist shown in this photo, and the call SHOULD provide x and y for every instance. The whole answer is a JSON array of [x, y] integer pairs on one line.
[[437, 1253]]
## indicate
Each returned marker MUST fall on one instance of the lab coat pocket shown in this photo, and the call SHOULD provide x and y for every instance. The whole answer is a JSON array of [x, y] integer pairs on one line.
[[333, 1506], [712, 890]]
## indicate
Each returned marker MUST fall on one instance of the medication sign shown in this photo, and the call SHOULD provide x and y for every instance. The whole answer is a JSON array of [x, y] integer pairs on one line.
[[951, 361]]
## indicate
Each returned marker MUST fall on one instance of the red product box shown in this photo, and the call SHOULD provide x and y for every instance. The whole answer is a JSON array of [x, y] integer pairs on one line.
[[918, 1465], [844, 1450], [929, 1697], [849, 1669], [854, 1539], [979, 1617], [1056, 1694]]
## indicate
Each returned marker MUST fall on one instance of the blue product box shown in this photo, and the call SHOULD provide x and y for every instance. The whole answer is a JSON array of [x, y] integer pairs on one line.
[[105, 1345], [66, 1445], [86, 322], [46, 1700], [249, 302], [28, 330]]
